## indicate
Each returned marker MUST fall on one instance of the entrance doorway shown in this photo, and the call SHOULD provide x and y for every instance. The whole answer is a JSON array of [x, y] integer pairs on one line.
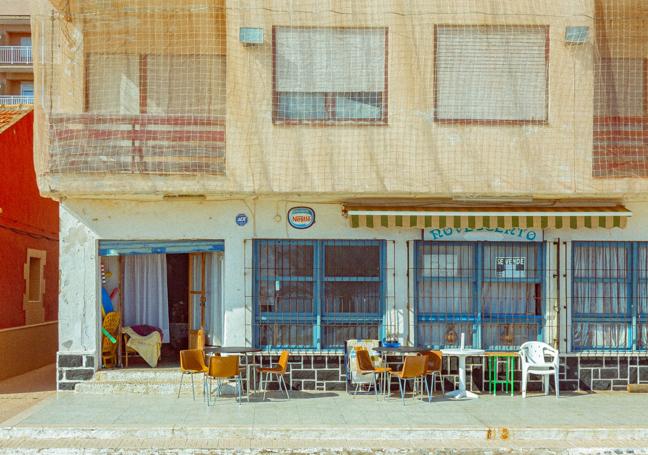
[[168, 297]]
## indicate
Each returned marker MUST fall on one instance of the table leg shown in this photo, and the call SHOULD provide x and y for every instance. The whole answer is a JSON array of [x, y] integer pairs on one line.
[[462, 393]]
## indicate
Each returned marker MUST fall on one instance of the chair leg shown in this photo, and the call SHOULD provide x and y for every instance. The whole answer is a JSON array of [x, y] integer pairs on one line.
[[375, 384], [557, 383], [427, 387], [180, 388], [400, 386], [524, 383], [281, 377], [546, 384], [193, 389], [265, 385]]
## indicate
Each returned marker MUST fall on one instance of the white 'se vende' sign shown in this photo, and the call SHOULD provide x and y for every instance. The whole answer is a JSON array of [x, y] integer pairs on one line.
[[301, 217]]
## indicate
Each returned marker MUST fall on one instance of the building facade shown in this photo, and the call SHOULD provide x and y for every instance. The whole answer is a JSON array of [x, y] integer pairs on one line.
[[343, 170], [16, 71], [29, 251]]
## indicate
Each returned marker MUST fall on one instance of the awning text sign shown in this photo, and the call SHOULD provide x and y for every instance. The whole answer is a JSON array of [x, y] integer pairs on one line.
[[497, 234]]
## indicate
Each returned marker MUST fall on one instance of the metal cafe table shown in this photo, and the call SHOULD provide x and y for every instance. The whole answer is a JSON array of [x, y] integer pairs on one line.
[[461, 393], [241, 350]]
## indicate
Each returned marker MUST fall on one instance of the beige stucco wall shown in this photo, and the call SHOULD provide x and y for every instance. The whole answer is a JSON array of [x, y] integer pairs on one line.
[[15, 7], [411, 156], [26, 348]]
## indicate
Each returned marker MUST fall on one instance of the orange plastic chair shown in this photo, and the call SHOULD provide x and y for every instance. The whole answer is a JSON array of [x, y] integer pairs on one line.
[[433, 365], [192, 361], [223, 369], [365, 366], [278, 370], [413, 370], [109, 347]]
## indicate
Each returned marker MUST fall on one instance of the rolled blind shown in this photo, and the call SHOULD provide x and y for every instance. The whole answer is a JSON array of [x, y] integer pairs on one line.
[[490, 73], [329, 59]]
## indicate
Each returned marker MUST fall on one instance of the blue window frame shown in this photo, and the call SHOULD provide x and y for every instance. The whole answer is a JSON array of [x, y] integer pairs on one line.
[[315, 294], [609, 309], [490, 291]]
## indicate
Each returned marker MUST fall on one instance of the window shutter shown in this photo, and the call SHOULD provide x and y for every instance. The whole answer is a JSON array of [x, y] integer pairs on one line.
[[491, 73], [330, 60]]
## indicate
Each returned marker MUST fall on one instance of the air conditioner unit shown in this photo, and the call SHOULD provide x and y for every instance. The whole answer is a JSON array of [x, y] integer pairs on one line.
[[576, 34], [251, 36]]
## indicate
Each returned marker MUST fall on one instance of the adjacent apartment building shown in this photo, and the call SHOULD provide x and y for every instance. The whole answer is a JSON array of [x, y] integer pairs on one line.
[[16, 73], [319, 171]]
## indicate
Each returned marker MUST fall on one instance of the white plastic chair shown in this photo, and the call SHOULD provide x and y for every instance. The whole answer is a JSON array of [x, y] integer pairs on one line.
[[533, 355]]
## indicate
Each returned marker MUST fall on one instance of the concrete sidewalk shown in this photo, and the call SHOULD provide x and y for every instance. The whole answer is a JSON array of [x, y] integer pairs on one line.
[[331, 421]]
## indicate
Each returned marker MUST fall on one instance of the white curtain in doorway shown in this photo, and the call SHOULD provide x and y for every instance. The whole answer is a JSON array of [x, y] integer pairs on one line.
[[214, 296], [146, 299]]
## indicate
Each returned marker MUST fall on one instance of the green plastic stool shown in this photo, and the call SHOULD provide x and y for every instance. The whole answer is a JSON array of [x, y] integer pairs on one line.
[[509, 371]]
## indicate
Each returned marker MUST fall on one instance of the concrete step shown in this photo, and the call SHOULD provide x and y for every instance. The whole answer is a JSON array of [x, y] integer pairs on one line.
[[105, 387], [135, 375]]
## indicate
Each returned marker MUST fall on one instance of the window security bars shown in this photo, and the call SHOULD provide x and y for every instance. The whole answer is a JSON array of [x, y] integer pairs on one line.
[[490, 291], [609, 296], [315, 294]]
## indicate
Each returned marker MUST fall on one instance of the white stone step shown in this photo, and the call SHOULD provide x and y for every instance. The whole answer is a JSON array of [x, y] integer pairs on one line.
[[144, 388], [138, 375]]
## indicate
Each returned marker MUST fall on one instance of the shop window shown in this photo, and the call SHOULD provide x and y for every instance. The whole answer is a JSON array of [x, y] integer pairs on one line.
[[330, 74], [490, 291], [34, 270], [491, 74], [315, 294], [609, 296]]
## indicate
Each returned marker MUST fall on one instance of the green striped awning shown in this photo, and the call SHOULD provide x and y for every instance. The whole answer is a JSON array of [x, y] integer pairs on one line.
[[604, 217]]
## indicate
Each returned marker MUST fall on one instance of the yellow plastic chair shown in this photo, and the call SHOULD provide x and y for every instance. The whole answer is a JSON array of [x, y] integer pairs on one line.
[[192, 362], [413, 370], [223, 369], [110, 339], [366, 366], [278, 370], [433, 365]]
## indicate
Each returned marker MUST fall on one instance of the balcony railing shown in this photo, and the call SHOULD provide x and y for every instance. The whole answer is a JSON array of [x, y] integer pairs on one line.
[[620, 147], [16, 55], [136, 144], [16, 99]]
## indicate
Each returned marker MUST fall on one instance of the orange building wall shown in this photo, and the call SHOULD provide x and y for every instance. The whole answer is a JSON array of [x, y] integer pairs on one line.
[[27, 221]]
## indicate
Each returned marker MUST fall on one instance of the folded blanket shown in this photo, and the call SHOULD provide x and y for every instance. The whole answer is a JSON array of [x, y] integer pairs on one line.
[[144, 330], [148, 347]]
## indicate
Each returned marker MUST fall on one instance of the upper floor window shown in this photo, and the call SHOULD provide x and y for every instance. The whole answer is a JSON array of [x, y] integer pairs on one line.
[[619, 87], [155, 84], [491, 74], [330, 74]]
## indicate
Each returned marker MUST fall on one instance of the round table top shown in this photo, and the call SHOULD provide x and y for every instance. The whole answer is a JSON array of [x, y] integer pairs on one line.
[[399, 349], [462, 352], [232, 349]]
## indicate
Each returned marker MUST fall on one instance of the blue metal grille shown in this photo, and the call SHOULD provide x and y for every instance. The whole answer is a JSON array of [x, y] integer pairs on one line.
[[490, 291], [609, 305], [315, 294]]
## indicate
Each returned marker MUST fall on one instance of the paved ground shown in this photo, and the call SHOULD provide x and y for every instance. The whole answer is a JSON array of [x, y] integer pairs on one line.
[[20, 393], [315, 422]]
